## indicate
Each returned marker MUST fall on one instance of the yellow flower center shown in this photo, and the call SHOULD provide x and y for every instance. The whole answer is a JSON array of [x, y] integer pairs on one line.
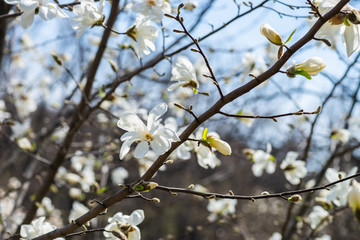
[[149, 137], [151, 2]]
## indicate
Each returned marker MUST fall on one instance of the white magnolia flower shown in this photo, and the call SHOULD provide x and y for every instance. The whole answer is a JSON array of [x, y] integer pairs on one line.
[[250, 63], [153, 8], [191, 5], [3, 113], [346, 22], [153, 134], [317, 218], [44, 8], [78, 209], [339, 193], [144, 35], [36, 228], [125, 225], [221, 208], [263, 161], [89, 14], [276, 236], [213, 141], [294, 169], [118, 175], [183, 73], [271, 34], [354, 198], [323, 237], [312, 66], [205, 157], [341, 135]]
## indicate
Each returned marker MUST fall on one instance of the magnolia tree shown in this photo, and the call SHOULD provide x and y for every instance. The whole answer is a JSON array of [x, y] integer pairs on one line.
[[179, 120]]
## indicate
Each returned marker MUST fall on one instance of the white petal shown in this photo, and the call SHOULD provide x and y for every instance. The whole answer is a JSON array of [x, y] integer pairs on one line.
[[27, 19], [131, 122], [12, 2], [351, 39], [134, 235], [125, 148], [168, 134], [155, 114], [137, 217], [134, 136], [176, 85], [159, 145], [27, 5], [141, 149], [47, 13]]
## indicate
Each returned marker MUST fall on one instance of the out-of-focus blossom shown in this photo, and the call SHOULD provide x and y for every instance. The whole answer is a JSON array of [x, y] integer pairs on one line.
[[191, 5], [276, 236], [339, 193], [324, 237], [144, 35], [294, 169], [153, 134], [20, 129], [354, 199], [44, 8], [318, 218], [262, 161], [3, 113], [37, 228], [89, 14], [78, 209], [153, 8], [125, 225], [250, 63], [118, 175], [271, 34], [183, 73], [24, 143], [341, 135], [221, 208]]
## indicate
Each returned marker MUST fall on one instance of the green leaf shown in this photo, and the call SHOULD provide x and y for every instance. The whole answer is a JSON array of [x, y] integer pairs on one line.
[[239, 112], [101, 92], [272, 158], [101, 190], [195, 90], [204, 135], [346, 22], [302, 73], [139, 188], [289, 38]]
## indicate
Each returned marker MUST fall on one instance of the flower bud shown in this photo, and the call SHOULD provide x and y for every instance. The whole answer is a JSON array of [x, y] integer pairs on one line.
[[271, 34], [219, 145], [295, 198], [312, 66]]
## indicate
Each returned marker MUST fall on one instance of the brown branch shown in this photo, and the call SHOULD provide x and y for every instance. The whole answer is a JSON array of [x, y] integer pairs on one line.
[[300, 112], [262, 196]]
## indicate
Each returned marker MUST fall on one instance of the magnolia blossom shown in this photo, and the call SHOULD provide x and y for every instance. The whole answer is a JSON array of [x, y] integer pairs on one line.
[[312, 66], [354, 198], [183, 73], [250, 63], [221, 208], [276, 236], [154, 8], [153, 134], [205, 157], [191, 5], [339, 193], [213, 141], [271, 34], [144, 35], [89, 14], [293, 169], [37, 228], [317, 218], [125, 225], [78, 209], [118, 175], [263, 161], [346, 22], [341, 135], [44, 8]]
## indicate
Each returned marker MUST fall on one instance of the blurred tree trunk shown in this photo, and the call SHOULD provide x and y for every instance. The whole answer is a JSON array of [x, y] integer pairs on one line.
[[4, 9]]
